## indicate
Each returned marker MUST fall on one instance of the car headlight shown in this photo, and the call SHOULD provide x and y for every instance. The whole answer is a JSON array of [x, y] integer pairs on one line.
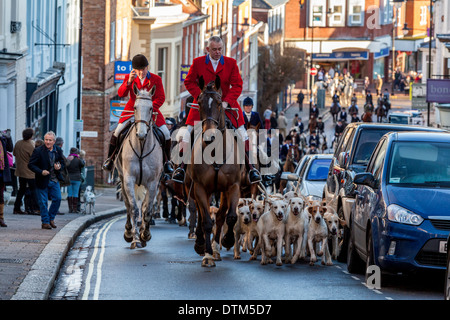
[[402, 215]]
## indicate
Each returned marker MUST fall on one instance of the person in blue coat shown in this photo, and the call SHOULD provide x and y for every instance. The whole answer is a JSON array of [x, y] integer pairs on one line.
[[251, 118]]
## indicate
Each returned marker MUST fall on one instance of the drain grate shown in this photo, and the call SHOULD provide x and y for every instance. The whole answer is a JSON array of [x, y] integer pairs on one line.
[[16, 261], [26, 240]]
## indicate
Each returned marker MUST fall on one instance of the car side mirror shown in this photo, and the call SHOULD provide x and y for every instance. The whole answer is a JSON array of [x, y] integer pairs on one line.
[[289, 176], [342, 159], [367, 179]]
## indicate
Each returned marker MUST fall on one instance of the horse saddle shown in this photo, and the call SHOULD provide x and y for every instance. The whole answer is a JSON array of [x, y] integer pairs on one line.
[[156, 131]]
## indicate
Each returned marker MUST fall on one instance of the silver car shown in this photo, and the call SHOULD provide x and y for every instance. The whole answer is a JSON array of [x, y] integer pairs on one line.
[[310, 176]]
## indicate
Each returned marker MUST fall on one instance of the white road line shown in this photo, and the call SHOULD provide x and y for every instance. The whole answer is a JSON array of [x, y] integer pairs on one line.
[[92, 260], [100, 260]]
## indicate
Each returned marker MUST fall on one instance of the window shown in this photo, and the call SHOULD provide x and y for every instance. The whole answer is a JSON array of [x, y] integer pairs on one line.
[[119, 39], [112, 37], [337, 9], [162, 65], [356, 12], [317, 13], [376, 166], [423, 15]]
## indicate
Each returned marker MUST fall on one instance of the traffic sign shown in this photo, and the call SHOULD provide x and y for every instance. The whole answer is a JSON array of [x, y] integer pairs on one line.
[[313, 71]]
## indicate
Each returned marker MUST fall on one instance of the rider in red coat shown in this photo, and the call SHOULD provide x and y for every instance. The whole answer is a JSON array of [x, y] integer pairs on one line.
[[209, 66], [143, 79]]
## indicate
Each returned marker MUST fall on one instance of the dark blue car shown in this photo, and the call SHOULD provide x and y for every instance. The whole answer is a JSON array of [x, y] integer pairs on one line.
[[400, 220]]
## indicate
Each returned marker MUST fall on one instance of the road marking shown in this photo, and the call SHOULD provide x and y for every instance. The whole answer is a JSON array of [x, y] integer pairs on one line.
[[101, 233]]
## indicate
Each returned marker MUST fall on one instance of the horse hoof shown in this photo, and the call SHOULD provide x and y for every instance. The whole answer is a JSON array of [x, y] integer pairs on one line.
[[127, 238], [208, 261], [192, 235], [133, 246], [145, 237], [216, 257], [143, 244]]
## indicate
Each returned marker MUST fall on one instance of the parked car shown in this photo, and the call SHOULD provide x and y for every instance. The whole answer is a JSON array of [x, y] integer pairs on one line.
[[350, 157], [400, 219], [310, 175], [412, 117], [447, 273]]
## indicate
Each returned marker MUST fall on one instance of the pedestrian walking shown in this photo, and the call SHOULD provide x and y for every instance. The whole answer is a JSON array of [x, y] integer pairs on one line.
[[267, 114], [46, 162], [6, 145], [282, 123], [75, 166], [22, 152], [366, 84], [273, 121], [378, 84], [300, 98]]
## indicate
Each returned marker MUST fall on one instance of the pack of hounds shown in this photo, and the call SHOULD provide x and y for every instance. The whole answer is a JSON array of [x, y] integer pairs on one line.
[[291, 223]]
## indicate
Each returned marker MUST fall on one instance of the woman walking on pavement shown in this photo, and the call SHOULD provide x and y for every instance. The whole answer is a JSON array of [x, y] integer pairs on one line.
[[74, 167], [6, 145]]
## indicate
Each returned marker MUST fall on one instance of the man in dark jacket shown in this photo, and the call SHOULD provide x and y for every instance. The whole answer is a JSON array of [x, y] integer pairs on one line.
[[46, 162]]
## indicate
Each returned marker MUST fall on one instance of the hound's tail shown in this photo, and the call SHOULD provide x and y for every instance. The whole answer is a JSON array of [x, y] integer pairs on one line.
[[139, 192]]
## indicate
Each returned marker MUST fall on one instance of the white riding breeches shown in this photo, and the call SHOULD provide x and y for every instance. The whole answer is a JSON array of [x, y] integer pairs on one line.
[[122, 125], [185, 133]]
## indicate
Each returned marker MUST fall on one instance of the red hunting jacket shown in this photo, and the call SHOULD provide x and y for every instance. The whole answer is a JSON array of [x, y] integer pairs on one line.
[[230, 83], [158, 98]]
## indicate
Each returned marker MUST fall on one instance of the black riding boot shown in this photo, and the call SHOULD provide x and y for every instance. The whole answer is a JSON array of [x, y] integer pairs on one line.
[[108, 164], [253, 174], [168, 168]]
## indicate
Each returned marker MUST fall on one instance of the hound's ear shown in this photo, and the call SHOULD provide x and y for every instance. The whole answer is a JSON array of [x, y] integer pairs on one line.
[[201, 83], [135, 89], [217, 83], [152, 91]]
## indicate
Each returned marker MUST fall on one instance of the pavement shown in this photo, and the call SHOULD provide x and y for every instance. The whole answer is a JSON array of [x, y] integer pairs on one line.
[[30, 257]]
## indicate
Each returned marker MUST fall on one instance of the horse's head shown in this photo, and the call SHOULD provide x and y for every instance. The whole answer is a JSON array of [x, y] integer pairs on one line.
[[143, 110], [210, 107]]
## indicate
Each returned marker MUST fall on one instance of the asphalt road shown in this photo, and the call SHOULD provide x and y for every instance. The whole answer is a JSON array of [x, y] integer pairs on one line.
[[101, 266]]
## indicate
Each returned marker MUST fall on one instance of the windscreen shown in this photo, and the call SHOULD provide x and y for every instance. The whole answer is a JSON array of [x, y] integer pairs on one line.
[[318, 170], [420, 164]]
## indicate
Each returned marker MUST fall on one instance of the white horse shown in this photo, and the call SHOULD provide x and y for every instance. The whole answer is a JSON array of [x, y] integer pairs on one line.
[[139, 166]]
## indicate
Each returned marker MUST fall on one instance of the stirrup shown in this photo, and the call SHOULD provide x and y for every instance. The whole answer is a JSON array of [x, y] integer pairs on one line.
[[178, 175], [254, 176]]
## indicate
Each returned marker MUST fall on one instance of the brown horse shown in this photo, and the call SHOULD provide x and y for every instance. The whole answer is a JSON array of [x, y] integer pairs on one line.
[[205, 177], [381, 113], [368, 111], [289, 166]]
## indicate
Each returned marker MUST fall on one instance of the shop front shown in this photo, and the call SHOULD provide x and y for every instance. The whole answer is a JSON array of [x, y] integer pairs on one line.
[[342, 62]]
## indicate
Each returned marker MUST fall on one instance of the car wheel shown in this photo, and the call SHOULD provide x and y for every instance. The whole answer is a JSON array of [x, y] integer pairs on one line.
[[447, 277], [354, 262], [343, 240], [370, 260]]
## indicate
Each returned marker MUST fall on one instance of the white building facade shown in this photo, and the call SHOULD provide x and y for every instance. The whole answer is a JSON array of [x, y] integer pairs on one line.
[[52, 68], [13, 52]]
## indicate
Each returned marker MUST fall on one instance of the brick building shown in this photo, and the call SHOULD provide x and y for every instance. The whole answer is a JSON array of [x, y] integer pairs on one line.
[[348, 35]]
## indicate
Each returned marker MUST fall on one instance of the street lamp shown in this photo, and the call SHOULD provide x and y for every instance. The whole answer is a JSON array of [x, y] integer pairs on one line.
[[397, 5]]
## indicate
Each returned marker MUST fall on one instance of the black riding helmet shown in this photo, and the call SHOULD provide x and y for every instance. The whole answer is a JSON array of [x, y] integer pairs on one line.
[[139, 62]]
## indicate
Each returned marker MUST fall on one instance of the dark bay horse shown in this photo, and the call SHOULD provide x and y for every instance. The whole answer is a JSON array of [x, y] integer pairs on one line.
[[380, 112], [334, 110], [368, 111], [292, 159], [206, 178]]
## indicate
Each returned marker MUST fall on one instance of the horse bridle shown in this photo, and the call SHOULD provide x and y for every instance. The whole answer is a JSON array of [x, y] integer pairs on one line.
[[216, 121], [147, 123]]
